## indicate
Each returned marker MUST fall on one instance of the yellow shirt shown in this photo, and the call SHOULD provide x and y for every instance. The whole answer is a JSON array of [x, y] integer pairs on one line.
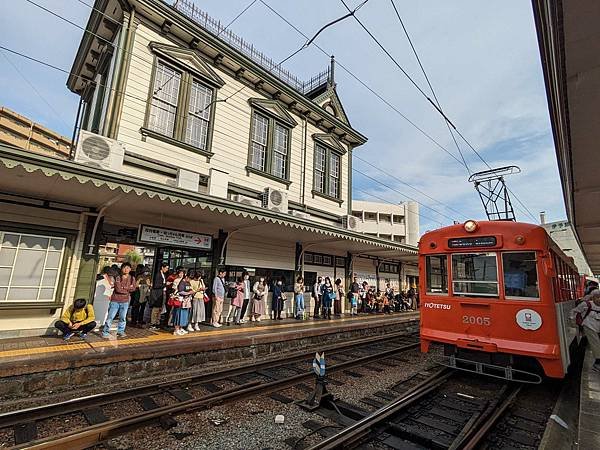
[[83, 316]]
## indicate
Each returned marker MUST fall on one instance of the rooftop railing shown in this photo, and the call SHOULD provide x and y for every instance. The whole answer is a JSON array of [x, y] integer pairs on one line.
[[216, 28]]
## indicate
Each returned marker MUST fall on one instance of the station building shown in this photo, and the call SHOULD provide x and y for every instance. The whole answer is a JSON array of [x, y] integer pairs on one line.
[[192, 148]]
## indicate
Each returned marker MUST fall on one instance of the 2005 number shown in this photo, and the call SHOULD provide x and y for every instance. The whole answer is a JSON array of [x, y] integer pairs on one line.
[[477, 320]]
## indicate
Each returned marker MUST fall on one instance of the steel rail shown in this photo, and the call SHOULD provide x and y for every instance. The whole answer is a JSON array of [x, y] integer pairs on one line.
[[11, 418], [95, 434], [362, 428], [474, 438]]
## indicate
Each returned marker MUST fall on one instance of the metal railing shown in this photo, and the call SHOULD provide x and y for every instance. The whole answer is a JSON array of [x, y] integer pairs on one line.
[[215, 27]]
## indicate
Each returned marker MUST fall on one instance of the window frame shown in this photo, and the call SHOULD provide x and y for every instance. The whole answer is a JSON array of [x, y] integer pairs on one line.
[[272, 122], [537, 274], [329, 151], [448, 278], [65, 265], [474, 294], [188, 77]]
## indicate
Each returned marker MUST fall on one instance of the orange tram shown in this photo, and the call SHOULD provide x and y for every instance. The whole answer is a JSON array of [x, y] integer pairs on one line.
[[497, 295]]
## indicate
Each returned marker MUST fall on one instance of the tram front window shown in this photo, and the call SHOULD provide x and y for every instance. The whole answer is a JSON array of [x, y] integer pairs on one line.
[[520, 275], [475, 274]]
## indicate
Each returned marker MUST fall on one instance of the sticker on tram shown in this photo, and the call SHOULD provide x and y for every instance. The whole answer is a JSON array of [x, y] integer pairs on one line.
[[528, 319], [436, 306]]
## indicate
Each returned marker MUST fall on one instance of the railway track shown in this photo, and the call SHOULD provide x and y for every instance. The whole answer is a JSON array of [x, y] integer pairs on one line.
[[185, 395], [445, 410]]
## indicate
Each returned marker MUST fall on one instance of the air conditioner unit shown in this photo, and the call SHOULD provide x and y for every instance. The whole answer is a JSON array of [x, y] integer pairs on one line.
[[275, 200], [99, 151], [188, 180], [350, 222], [246, 200], [300, 214]]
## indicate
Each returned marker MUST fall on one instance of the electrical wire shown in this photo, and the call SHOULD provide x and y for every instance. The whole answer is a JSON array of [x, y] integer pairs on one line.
[[224, 133], [437, 108], [142, 100]]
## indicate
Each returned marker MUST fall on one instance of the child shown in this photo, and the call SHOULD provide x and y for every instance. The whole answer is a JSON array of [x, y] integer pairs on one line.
[[354, 305]]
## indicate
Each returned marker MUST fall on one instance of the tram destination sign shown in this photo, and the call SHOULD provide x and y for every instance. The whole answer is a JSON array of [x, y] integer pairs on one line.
[[469, 242], [176, 238]]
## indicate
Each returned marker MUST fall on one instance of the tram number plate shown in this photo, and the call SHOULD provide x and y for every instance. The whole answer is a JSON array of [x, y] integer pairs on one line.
[[477, 320]]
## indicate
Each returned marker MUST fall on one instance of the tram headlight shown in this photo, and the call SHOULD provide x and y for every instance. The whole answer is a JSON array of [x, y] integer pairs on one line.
[[470, 226]]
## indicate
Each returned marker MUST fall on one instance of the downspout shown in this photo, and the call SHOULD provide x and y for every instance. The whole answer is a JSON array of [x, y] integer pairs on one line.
[[117, 108], [75, 126], [304, 146], [119, 58]]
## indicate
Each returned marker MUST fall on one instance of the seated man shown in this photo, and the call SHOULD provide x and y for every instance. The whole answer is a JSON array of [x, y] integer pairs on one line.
[[77, 318]]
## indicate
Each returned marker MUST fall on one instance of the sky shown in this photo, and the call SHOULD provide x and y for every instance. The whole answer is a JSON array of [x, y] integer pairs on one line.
[[482, 59]]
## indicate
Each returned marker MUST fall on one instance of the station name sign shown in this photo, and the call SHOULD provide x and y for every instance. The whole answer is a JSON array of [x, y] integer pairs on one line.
[[468, 242], [176, 238]]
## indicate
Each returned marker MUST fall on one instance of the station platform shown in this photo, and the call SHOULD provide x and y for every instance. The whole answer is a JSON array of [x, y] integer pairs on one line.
[[34, 365], [589, 406]]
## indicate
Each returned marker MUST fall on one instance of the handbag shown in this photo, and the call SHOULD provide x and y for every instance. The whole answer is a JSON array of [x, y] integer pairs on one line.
[[174, 301], [206, 298]]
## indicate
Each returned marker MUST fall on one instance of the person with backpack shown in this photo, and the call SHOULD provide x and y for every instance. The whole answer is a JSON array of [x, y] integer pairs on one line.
[[157, 295], [328, 296], [587, 316], [119, 301], [77, 318]]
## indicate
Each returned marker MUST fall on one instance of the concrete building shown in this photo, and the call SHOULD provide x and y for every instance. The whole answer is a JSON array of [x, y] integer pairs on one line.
[[398, 223], [195, 149], [562, 233], [19, 131]]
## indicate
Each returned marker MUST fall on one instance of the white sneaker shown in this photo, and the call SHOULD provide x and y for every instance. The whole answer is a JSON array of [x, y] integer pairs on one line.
[[217, 325], [183, 331], [190, 328], [258, 319], [242, 321], [196, 327], [176, 333]]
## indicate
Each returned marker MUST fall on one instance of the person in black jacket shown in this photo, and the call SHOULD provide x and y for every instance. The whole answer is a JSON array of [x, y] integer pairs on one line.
[[157, 295]]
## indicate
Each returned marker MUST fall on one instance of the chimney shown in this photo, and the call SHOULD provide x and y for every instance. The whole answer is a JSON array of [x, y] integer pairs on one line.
[[543, 217]]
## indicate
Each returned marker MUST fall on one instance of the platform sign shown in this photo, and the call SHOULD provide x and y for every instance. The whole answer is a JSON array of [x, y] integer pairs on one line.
[[319, 364], [163, 236]]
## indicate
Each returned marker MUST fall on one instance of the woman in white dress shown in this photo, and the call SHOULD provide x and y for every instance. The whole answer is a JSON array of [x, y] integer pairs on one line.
[[105, 285]]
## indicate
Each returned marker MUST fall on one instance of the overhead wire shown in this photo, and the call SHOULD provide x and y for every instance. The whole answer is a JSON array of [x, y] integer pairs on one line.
[[414, 50], [151, 63], [436, 107], [32, 86], [226, 134]]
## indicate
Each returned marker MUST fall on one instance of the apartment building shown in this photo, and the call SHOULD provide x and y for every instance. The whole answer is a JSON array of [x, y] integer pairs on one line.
[[398, 223], [19, 131], [194, 149]]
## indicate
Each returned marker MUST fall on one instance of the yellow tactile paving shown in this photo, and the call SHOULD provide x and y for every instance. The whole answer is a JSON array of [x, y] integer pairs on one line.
[[161, 337]]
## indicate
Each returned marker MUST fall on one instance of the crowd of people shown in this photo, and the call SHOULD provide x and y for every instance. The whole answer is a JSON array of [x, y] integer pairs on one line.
[[180, 301]]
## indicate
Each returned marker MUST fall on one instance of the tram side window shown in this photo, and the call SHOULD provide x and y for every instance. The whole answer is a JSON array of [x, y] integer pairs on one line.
[[437, 274], [520, 274], [475, 274]]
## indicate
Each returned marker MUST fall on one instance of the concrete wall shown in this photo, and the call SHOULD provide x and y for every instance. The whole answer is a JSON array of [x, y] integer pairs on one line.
[[396, 222]]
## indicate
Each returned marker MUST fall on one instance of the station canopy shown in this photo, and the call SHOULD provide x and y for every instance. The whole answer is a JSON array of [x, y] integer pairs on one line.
[[129, 200], [570, 53]]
